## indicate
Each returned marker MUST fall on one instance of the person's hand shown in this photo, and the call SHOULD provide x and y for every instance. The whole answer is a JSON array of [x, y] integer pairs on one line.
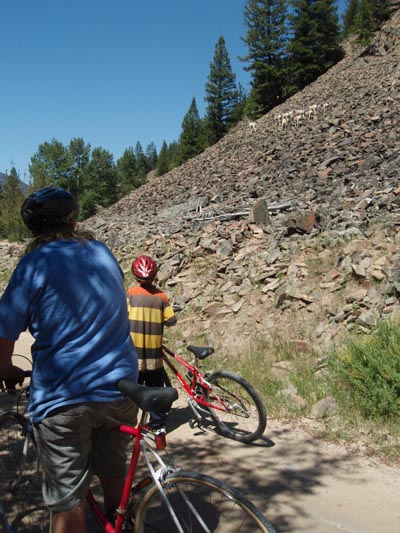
[[15, 376]]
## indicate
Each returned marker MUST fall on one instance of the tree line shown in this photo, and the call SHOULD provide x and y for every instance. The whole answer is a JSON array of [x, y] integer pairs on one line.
[[289, 43]]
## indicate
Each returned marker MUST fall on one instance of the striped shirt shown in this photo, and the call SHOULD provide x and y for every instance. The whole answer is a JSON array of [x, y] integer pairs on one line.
[[148, 311]]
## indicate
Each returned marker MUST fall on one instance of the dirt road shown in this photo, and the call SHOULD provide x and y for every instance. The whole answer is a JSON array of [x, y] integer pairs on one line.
[[300, 483]]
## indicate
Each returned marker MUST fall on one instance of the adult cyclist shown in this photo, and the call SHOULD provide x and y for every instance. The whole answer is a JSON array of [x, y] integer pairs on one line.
[[68, 291]]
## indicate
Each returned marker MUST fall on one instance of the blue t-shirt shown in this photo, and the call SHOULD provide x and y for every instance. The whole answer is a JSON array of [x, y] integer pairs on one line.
[[71, 297]]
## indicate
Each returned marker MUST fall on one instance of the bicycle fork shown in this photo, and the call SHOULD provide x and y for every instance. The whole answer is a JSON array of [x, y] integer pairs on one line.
[[25, 451], [159, 476]]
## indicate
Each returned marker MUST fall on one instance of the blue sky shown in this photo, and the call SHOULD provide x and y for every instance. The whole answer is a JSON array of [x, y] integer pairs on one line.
[[113, 72]]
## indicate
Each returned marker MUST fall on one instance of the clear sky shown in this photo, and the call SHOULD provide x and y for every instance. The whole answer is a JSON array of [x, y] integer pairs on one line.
[[113, 72]]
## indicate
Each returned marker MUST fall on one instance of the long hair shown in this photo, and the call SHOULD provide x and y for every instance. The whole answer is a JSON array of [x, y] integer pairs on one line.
[[67, 231]]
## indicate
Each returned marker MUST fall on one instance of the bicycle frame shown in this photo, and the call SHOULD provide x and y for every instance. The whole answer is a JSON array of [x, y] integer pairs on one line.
[[197, 379], [140, 445], [94, 504]]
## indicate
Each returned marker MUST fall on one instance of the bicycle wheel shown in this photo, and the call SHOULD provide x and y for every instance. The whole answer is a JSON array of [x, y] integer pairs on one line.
[[242, 416], [201, 504], [20, 482]]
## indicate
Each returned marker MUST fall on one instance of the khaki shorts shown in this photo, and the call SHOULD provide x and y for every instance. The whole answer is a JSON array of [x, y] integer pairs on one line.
[[77, 441]]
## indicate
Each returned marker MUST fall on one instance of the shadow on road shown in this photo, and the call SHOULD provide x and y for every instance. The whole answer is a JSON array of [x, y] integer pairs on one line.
[[274, 473], [277, 473]]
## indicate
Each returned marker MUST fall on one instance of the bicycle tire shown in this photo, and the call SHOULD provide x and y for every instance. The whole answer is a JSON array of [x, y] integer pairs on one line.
[[20, 482], [245, 419], [223, 508]]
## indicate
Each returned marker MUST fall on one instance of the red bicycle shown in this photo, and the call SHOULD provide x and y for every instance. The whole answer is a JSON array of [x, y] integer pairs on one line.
[[222, 397], [165, 500]]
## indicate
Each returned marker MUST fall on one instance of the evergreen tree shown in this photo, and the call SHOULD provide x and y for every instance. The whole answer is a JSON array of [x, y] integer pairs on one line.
[[365, 24], [174, 155], [221, 94], [151, 156], [314, 46], [349, 16], [192, 137], [141, 162], [363, 17], [239, 110], [88, 204], [102, 178], [11, 198], [163, 160], [266, 39], [380, 11], [128, 177], [328, 34], [371, 13]]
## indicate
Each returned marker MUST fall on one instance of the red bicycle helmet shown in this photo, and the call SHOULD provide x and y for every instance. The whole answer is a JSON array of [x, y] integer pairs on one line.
[[144, 268]]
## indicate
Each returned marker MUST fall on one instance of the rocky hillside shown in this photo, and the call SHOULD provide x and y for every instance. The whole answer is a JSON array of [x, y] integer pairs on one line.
[[289, 226]]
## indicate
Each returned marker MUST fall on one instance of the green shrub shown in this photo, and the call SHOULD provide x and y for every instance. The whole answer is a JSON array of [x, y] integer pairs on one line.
[[367, 373]]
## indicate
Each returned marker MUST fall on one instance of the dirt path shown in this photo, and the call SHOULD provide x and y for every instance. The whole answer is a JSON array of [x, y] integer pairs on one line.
[[300, 483]]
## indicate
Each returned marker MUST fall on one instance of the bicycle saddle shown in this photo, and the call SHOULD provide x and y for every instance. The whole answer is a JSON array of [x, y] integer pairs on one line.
[[201, 351], [148, 398]]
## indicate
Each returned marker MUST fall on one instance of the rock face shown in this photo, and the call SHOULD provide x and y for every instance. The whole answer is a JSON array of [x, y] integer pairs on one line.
[[288, 229]]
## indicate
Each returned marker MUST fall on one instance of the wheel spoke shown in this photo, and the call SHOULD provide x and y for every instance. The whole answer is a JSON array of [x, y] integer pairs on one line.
[[202, 505], [237, 408], [20, 483]]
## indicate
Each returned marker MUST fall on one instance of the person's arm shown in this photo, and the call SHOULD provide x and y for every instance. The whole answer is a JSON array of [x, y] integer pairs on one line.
[[171, 321], [169, 315], [7, 370]]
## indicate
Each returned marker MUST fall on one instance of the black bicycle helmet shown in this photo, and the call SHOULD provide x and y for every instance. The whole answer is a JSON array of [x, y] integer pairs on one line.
[[46, 208]]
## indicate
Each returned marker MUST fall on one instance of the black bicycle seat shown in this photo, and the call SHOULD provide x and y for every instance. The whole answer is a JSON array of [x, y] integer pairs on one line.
[[200, 351], [148, 398]]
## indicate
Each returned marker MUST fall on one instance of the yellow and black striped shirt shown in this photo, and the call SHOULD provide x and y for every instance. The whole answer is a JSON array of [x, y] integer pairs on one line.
[[148, 311]]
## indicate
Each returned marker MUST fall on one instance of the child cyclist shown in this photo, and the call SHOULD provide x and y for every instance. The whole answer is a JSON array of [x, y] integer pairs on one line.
[[149, 310]]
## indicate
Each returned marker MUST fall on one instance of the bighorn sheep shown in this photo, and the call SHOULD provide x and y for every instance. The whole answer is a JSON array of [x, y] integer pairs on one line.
[[252, 124], [312, 110]]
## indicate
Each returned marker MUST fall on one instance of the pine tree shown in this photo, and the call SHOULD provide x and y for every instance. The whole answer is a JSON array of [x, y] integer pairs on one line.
[[102, 178], [314, 46], [365, 23], [151, 156], [163, 160], [128, 178], [380, 11], [221, 94], [328, 34], [266, 40], [363, 17], [191, 140], [239, 110], [371, 13], [141, 163], [349, 16], [88, 204], [11, 224], [174, 155]]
